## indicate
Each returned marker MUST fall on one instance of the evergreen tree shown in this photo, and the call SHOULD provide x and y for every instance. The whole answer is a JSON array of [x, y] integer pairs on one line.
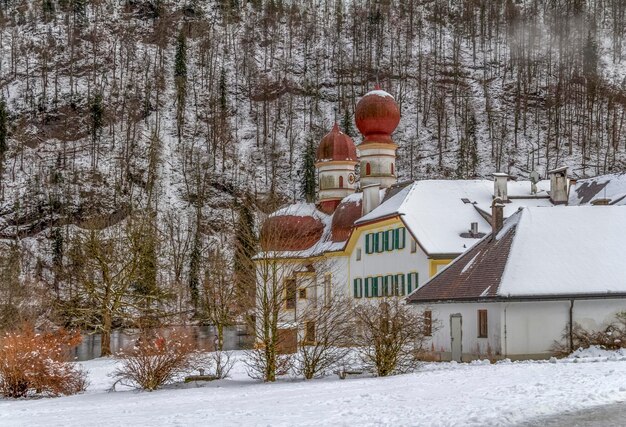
[[245, 249], [194, 270], [3, 134], [307, 185], [97, 117], [346, 124], [180, 76]]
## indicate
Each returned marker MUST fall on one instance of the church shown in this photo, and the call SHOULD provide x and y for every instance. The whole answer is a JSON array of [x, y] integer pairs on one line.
[[369, 236]]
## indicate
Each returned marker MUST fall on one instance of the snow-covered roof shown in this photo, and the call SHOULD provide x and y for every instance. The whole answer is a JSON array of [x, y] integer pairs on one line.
[[567, 250], [379, 92], [611, 187], [437, 212], [540, 253]]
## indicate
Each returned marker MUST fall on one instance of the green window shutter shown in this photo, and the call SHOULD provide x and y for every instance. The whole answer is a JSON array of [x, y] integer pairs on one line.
[[412, 285], [398, 284], [401, 238], [358, 291], [396, 238], [385, 240], [374, 286], [367, 244], [389, 244], [415, 281], [389, 286]]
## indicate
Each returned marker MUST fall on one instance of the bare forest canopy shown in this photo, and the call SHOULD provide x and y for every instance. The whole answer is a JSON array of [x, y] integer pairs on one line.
[[182, 108]]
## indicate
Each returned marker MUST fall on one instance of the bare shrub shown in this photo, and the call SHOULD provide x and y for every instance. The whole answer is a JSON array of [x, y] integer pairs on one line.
[[258, 362], [34, 363], [327, 328], [155, 360], [390, 335], [612, 337], [216, 364]]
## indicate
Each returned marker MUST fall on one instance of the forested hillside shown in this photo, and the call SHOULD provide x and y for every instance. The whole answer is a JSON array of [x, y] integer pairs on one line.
[[133, 132]]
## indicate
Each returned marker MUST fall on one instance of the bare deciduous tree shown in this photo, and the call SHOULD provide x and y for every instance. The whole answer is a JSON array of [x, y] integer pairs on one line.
[[390, 335]]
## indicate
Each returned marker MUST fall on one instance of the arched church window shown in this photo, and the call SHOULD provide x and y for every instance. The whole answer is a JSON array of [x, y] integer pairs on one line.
[[341, 182], [368, 169], [392, 168]]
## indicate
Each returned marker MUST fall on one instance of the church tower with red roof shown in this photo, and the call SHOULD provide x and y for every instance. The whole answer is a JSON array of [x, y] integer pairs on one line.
[[335, 162], [377, 115]]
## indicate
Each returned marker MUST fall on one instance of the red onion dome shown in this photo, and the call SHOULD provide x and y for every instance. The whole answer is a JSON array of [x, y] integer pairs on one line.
[[294, 228], [377, 115], [346, 214], [336, 146]]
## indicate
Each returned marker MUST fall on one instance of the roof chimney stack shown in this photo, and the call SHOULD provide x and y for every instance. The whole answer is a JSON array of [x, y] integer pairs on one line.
[[559, 186], [500, 184], [371, 198], [497, 216]]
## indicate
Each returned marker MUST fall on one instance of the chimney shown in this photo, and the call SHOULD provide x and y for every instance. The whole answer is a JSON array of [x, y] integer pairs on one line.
[[371, 198], [497, 216], [474, 228], [559, 185], [500, 181]]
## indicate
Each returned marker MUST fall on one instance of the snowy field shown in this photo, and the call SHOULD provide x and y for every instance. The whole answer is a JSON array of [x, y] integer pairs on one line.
[[440, 394]]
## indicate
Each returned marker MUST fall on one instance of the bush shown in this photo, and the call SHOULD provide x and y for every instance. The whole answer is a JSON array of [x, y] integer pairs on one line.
[[390, 336], [37, 364], [613, 337], [155, 361]]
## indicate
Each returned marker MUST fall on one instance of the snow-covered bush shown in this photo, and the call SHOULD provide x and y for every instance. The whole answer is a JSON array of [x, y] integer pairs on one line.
[[155, 360], [612, 337], [34, 363]]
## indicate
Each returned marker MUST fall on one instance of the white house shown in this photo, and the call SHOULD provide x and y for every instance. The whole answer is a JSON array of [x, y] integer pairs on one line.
[[521, 289], [390, 238]]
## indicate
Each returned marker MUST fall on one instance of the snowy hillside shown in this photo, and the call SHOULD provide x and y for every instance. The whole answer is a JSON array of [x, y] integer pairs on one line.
[[181, 107]]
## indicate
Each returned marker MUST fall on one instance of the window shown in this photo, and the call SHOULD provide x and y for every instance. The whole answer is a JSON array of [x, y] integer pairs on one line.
[[389, 234], [413, 246], [400, 237], [358, 288], [309, 332], [368, 287], [374, 286], [302, 293], [482, 323], [380, 241], [399, 284], [411, 282], [358, 254], [341, 182], [327, 289], [388, 286], [290, 293], [392, 168], [428, 323], [368, 169]]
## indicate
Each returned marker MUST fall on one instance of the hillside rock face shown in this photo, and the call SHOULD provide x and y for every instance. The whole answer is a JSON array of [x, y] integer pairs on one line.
[[180, 107]]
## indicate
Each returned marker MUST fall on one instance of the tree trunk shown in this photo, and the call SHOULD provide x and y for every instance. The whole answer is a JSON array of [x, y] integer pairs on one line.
[[105, 348]]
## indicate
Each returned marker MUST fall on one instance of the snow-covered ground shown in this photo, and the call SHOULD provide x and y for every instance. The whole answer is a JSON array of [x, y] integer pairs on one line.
[[440, 394]]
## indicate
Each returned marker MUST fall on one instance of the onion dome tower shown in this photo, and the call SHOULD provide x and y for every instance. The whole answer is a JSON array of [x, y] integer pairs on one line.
[[335, 162], [377, 115]]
